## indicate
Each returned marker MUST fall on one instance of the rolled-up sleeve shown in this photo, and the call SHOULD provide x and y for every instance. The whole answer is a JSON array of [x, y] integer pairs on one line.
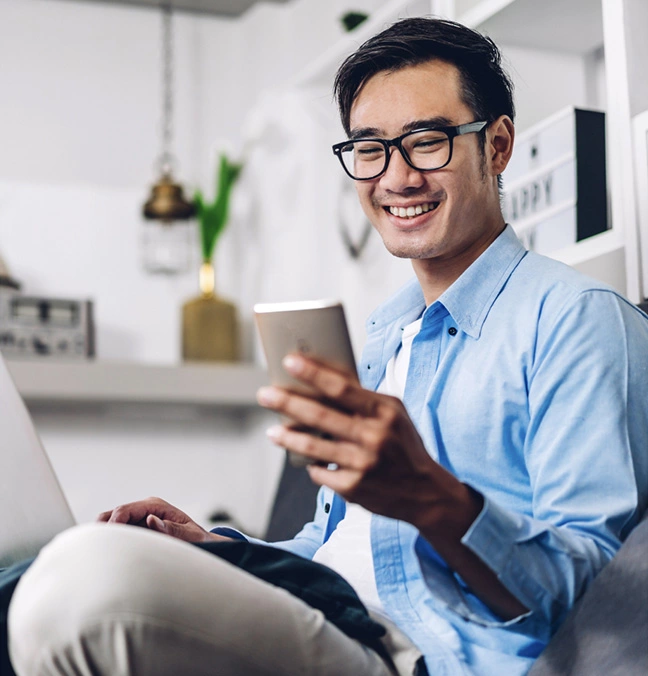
[[586, 455]]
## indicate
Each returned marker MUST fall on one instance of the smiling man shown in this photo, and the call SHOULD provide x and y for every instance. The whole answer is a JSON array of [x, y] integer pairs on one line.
[[487, 468], [436, 201]]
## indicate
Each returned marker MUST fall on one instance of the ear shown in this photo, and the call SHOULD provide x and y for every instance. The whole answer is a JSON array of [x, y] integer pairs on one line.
[[499, 143]]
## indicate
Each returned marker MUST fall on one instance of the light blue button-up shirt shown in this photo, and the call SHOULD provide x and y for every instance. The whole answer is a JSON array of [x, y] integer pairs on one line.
[[529, 382]]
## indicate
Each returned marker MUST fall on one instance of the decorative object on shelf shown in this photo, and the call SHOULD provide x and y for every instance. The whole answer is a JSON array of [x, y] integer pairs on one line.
[[555, 184], [169, 228], [6, 280], [209, 324], [33, 327], [352, 20]]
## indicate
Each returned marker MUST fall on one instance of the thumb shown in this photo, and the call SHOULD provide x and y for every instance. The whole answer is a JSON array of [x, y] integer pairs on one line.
[[155, 523], [175, 530]]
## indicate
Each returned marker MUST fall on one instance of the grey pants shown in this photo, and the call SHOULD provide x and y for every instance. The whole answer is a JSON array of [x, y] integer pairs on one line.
[[123, 601]]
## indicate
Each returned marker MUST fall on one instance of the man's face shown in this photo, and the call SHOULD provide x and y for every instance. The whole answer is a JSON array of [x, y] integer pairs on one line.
[[460, 203]]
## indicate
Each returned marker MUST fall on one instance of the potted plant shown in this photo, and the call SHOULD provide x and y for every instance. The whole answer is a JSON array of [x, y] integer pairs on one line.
[[209, 323]]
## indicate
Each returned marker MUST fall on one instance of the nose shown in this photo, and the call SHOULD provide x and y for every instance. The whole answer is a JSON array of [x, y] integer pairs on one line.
[[399, 176]]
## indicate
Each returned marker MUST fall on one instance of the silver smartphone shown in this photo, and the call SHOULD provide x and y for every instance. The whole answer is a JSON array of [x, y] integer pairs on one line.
[[316, 329]]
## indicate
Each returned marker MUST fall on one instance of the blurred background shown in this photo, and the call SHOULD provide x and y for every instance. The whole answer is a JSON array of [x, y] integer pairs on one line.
[[92, 90]]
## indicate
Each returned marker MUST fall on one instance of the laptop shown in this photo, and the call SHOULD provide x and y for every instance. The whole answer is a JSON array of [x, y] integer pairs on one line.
[[32, 505]]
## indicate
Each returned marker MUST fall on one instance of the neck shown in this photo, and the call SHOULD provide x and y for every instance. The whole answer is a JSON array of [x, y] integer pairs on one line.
[[436, 274]]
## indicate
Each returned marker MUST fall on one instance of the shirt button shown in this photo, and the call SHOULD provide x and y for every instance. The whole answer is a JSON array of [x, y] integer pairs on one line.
[[452, 331], [327, 508]]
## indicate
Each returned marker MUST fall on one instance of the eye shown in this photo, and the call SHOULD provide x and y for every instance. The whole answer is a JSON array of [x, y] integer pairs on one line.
[[427, 141], [369, 150]]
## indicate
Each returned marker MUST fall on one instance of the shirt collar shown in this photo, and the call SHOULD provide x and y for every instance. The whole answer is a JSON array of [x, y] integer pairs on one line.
[[468, 300], [471, 296]]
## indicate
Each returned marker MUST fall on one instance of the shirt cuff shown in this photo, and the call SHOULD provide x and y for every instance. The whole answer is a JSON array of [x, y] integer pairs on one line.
[[492, 534], [228, 532], [236, 535], [494, 537]]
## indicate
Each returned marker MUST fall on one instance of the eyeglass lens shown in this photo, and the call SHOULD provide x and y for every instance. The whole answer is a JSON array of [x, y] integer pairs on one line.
[[426, 150]]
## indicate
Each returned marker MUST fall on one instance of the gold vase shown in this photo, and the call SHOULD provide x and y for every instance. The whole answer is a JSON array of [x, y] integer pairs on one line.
[[209, 324]]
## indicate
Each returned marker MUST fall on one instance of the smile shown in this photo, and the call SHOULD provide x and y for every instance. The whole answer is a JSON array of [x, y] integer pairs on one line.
[[412, 211]]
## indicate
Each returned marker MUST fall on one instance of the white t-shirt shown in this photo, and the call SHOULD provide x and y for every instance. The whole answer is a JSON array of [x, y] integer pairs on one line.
[[348, 550]]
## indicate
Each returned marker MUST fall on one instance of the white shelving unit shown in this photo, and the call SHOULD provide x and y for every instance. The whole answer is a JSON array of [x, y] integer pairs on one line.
[[601, 42], [321, 71], [225, 8], [600, 34], [572, 26], [100, 383]]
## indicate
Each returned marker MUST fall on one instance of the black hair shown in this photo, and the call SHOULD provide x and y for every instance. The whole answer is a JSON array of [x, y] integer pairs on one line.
[[485, 87]]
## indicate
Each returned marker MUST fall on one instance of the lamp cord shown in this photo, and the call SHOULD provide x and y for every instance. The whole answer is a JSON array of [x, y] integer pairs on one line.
[[166, 158]]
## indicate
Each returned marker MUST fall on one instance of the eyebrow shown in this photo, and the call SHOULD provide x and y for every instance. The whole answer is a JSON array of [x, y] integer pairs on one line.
[[375, 132]]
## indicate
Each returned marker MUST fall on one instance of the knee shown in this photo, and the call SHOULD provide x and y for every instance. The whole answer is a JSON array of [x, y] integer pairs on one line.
[[84, 574]]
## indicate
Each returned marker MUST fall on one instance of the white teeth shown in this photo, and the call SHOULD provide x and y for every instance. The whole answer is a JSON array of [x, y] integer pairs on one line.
[[409, 212]]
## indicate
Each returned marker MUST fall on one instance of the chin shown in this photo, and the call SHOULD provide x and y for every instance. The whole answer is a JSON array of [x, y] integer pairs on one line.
[[411, 246], [412, 252]]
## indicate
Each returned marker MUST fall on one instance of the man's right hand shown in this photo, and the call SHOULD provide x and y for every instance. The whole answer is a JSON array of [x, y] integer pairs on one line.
[[156, 514]]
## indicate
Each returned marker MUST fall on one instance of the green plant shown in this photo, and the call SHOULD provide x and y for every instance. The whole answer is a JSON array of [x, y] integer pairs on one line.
[[212, 217], [352, 20]]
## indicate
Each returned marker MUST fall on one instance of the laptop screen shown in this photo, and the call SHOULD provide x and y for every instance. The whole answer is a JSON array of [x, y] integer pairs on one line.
[[32, 504]]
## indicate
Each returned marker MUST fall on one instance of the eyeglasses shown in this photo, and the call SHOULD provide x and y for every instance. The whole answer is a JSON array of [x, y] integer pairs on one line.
[[423, 149]]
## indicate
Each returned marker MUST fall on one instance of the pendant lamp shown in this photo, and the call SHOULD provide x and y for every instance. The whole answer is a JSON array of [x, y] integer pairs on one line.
[[169, 235]]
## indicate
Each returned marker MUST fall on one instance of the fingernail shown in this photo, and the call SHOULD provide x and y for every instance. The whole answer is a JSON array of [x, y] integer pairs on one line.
[[159, 524], [267, 396], [274, 432], [293, 364]]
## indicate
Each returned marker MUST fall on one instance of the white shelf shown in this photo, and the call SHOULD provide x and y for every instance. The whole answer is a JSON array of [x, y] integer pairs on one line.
[[321, 71], [587, 249], [601, 256], [50, 382], [553, 25], [219, 8]]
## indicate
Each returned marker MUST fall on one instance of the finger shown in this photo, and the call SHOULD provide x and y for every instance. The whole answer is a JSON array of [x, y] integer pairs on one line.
[[104, 516], [316, 448], [154, 523], [214, 537], [136, 512], [310, 413], [344, 370], [342, 481], [190, 532], [126, 514], [335, 386]]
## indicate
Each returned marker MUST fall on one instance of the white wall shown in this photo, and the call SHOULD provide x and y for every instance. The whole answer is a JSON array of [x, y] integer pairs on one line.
[[79, 132]]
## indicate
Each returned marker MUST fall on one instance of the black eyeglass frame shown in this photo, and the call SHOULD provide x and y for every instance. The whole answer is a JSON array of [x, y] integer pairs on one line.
[[451, 132]]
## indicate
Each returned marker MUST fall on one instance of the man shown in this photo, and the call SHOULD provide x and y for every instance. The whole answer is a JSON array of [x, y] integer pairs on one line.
[[470, 516]]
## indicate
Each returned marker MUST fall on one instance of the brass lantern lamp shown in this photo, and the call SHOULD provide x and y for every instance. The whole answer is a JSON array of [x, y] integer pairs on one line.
[[169, 228]]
